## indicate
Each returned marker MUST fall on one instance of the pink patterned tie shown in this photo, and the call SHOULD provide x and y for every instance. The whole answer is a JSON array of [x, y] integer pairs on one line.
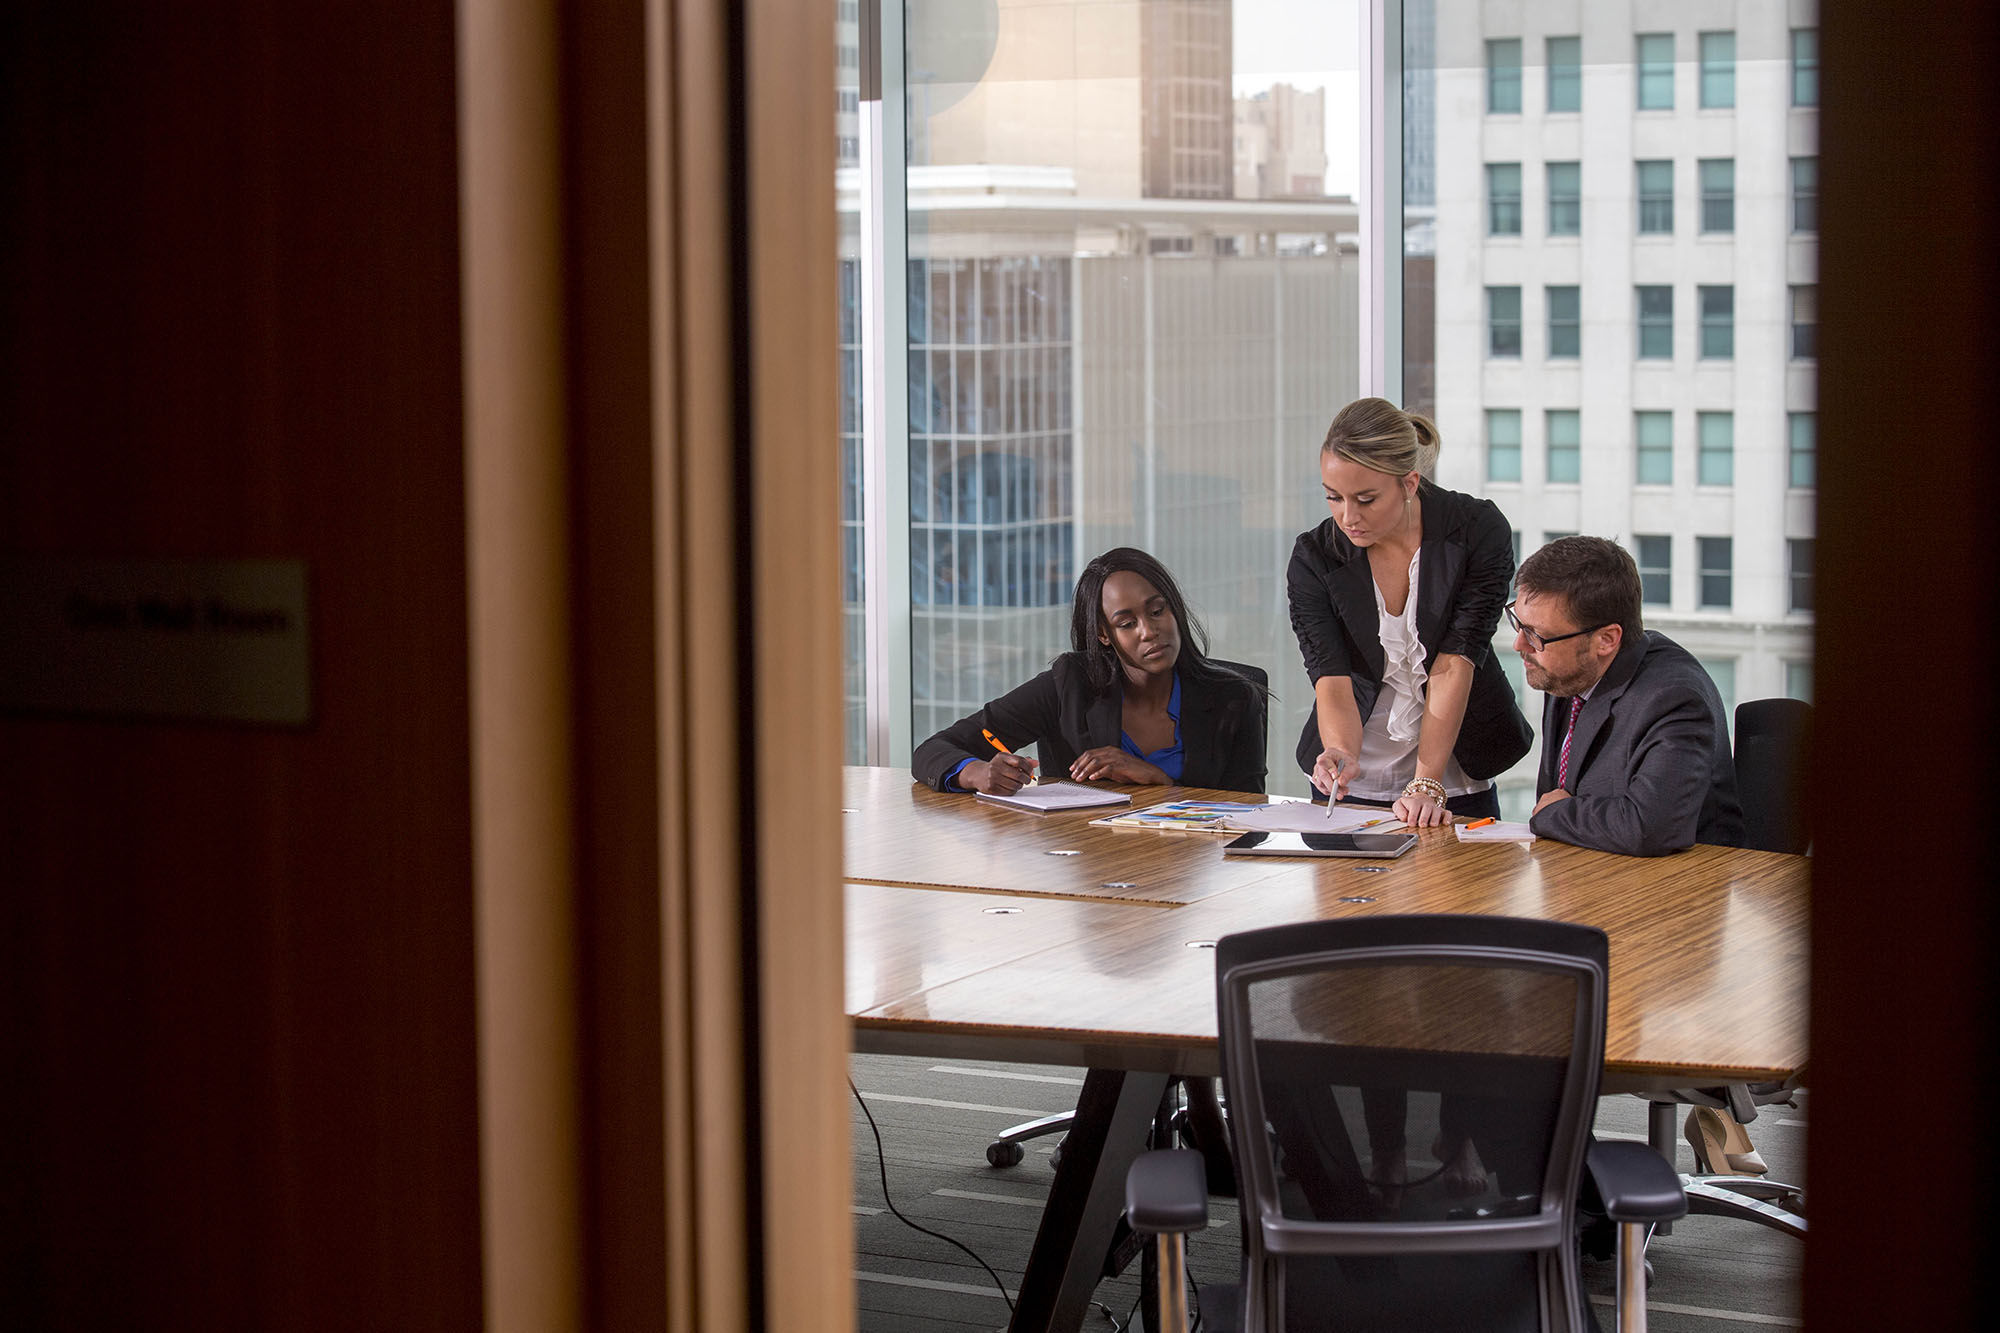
[[1562, 769]]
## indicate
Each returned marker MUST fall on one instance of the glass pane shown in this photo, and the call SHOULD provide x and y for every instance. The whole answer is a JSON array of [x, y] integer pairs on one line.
[[1718, 321], [1565, 62], [1656, 71], [1718, 69], [853, 365], [1503, 319], [1804, 471], [1656, 197], [1565, 338], [1717, 462], [1805, 67], [1503, 194], [1805, 194], [1134, 228], [1503, 75], [1718, 194], [1565, 199], [1656, 322]]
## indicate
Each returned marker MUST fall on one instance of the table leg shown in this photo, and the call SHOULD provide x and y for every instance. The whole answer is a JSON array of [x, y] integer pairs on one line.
[[1113, 1118]]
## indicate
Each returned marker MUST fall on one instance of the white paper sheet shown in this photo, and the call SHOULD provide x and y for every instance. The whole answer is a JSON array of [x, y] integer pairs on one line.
[[1304, 817], [1046, 796], [1493, 833]]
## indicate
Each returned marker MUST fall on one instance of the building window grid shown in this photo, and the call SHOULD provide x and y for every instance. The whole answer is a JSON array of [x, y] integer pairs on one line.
[[1654, 557], [1565, 322], [1503, 76], [1503, 322], [1564, 433], [1503, 198], [1718, 70], [1718, 194], [1718, 322], [1656, 198], [1656, 322], [1565, 73], [1715, 461], [1655, 59], [1654, 433], [1799, 562], [1716, 579], [1565, 181], [1805, 194]]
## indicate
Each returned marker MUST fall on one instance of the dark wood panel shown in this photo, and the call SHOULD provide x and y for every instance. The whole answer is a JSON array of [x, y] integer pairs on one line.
[[238, 961]]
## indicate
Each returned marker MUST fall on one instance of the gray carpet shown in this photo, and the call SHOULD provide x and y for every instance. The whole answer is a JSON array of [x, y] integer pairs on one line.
[[1712, 1275]]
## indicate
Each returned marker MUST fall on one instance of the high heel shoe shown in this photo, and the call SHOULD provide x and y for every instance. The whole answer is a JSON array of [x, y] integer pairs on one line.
[[1721, 1146]]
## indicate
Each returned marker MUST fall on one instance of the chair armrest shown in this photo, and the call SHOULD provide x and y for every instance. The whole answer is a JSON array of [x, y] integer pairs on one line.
[[1166, 1190], [1636, 1183]]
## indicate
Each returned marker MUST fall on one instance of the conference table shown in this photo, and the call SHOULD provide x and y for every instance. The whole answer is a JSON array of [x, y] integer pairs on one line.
[[979, 932]]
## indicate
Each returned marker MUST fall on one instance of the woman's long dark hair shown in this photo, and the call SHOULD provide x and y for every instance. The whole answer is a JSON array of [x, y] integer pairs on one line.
[[1086, 621]]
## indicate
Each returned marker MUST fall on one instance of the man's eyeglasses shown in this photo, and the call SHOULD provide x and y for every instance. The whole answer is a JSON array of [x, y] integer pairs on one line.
[[1537, 642]]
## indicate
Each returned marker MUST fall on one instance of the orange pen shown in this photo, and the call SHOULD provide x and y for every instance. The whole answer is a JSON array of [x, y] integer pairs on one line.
[[1482, 823], [995, 742]]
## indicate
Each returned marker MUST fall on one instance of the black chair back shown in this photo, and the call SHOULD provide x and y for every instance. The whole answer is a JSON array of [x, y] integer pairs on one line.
[[1773, 747], [1353, 1051]]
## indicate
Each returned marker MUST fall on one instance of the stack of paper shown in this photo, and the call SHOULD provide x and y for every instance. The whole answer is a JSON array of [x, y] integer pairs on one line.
[[1046, 796], [1494, 832]]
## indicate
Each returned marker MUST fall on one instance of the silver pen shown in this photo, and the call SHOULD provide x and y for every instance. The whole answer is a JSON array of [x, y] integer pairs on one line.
[[1332, 791]]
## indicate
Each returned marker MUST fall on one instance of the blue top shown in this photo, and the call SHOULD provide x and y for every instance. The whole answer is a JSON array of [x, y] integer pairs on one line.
[[1171, 759]]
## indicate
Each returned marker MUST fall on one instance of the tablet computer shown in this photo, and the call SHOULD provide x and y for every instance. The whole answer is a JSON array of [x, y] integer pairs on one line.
[[1321, 844]]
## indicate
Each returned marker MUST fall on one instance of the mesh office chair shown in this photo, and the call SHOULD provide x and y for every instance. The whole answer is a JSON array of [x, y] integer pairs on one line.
[[1343, 1041], [1773, 747], [1005, 1150]]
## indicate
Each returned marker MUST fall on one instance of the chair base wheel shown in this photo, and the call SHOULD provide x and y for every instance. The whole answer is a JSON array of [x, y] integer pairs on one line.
[[1004, 1154]]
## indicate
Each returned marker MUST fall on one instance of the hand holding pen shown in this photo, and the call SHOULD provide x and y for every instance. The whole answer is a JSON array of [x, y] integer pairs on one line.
[[1002, 775], [1331, 771]]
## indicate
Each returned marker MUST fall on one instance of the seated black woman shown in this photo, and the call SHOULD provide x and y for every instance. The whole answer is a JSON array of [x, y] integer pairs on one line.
[[1136, 700]]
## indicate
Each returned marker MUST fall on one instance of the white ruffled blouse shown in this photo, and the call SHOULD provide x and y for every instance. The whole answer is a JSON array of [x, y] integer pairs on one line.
[[1389, 736]]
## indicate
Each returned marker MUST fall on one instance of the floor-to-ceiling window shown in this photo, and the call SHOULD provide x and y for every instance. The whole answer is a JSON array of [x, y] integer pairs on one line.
[[1130, 271]]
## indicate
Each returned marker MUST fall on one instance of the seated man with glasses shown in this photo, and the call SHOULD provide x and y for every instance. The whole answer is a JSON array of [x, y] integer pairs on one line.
[[1635, 748]]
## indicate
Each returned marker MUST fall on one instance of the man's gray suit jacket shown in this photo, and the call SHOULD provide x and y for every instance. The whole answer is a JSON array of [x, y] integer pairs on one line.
[[1650, 770]]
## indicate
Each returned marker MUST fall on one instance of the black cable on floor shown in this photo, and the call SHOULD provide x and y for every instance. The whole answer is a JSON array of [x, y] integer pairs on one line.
[[882, 1164]]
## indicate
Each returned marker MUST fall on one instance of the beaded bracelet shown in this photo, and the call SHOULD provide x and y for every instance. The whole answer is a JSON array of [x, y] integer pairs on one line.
[[1430, 787]]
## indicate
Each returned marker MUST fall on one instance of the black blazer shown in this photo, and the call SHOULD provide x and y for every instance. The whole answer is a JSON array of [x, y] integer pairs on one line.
[[1465, 569], [1222, 728]]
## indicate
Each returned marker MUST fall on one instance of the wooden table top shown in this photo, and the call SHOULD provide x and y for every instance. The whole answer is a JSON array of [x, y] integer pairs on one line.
[[1708, 947]]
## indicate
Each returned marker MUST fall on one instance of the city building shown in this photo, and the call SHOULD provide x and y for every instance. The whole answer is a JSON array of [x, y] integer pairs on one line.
[[1281, 144], [1624, 243]]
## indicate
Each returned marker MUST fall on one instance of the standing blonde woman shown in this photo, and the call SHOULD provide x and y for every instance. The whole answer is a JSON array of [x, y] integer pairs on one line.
[[1394, 600]]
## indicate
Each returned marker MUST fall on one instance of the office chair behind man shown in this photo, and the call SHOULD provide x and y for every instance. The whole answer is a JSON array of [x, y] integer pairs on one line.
[[1773, 749]]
